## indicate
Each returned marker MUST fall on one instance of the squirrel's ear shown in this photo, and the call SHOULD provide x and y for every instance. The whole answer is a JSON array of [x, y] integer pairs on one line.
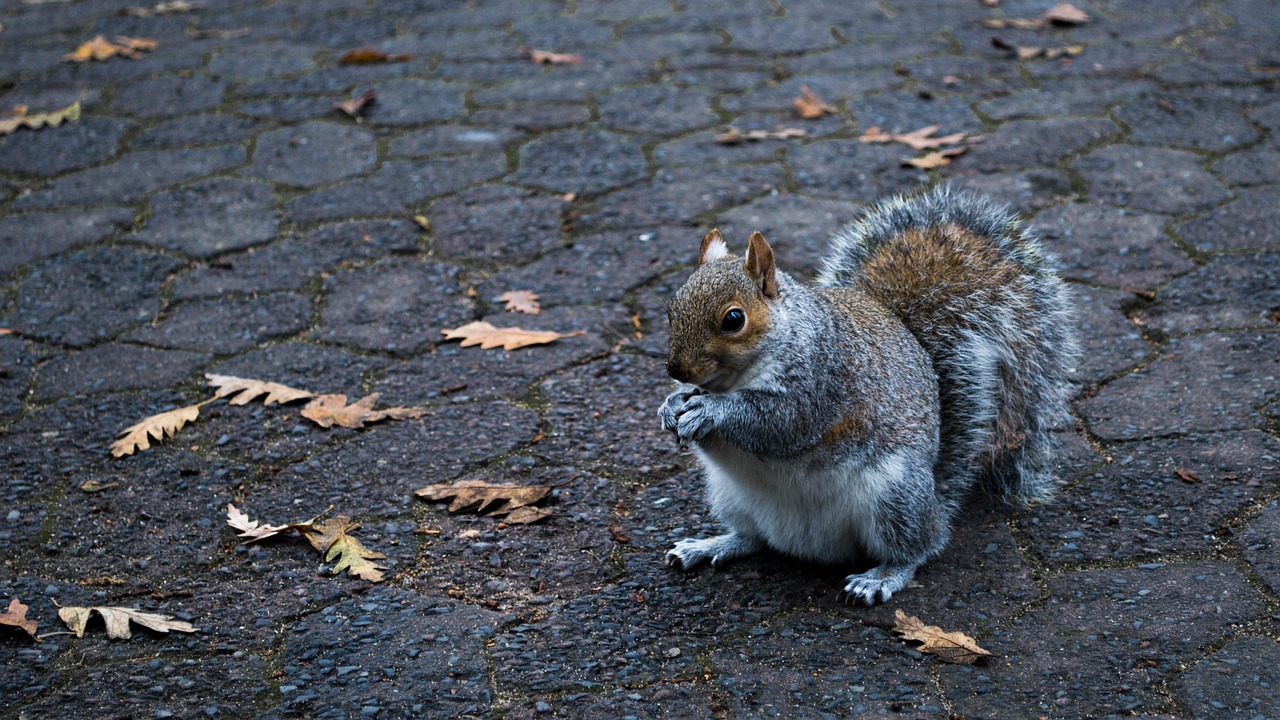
[[760, 267], [713, 247]]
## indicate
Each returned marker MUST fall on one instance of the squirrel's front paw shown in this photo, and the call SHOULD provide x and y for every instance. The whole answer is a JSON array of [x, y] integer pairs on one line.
[[694, 420], [669, 413]]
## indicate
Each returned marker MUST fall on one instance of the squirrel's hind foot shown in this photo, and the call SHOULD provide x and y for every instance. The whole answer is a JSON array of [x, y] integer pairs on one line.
[[690, 553], [877, 585]]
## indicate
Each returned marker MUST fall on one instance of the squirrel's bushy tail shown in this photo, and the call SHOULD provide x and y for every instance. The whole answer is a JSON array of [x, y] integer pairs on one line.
[[984, 300]]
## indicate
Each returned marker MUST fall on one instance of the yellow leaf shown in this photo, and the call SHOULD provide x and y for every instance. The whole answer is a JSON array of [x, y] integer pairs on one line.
[[423, 222], [117, 620], [16, 616], [487, 336], [809, 106], [524, 301], [159, 427], [53, 118], [542, 57], [478, 496], [329, 410], [245, 390], [935, 159], [333, 539], [952, 647]]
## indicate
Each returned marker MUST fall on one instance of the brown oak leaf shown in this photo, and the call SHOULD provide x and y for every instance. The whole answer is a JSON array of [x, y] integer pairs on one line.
[[20, 117], [951, 647], [333, 539], [938, 158], [809, 106], [117, 620], [355, 106], [242, 391], [368, 55], [329, 410], [479, 496], [487, 336], [524, 301], [16, 616], [166, 424], [254, 530]]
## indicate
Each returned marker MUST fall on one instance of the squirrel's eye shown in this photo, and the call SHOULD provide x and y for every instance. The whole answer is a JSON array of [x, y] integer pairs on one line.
[[733, 320]]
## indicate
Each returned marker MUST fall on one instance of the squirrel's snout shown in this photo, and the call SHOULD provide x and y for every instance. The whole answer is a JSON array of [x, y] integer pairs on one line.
[[678, 371]]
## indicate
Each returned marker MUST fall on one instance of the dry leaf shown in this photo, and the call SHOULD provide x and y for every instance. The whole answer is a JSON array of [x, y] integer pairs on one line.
[[117, 620], [1015, 23], [423, 222], [253, 529], [952, 647], [734, 136], [487, 336], [1186, 476], [20, 118], [245, 390], [16, 616], [159, 427], [99, 49], [329, 410], [525, 301], [874, 134], [93, 486], [479, 496], [542, 57], [935, 159], [921, 140], [1028, 53], [6, 331], [367, 55], [526, 514], [809, 107], [332, 538], [164, 8], [354, 106], [1066, 14]]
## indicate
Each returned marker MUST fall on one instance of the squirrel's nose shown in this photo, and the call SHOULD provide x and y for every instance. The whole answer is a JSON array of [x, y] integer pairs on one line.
[[677, 371]]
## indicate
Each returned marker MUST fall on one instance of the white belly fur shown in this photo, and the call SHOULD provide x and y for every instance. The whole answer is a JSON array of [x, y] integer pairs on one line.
[[821, 513]]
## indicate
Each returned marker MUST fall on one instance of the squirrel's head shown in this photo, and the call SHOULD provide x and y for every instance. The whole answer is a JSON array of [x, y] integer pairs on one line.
[[721, 314]]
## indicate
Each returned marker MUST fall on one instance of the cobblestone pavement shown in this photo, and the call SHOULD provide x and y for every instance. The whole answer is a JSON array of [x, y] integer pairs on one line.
[[212, 212]]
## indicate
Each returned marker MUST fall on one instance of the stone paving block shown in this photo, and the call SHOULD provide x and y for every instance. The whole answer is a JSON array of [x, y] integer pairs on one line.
[[85, 296], [1111, 342], [831, 87], [207, 129], [701, 149], [1139, 508], [584, 162], [130, 178], [210, 217], [265, 60], [903, 111], [1251, 168], [292, 263], [1112, 246], [396, 306], [1198, 72], [1175, 120], [1248, 222], [798, 228], [413, 102], [456, 374], [164, 96], [1242, 680], [1102, 642], [18, 359], [496, 223], [1199, 384], [598, 268], [395, 188], [728, 79], [534, 118], [225, 326], [1021, 191], [309, 367], [1036, 143], [37, 235], [113, 367], [1065, 96], [769, 35], [1228, 292], [454, 139], [70, 146], [390, 653], [680, 195], [660, 110], [853, 170], [565, 83], [985, 74], [312, 154], [1157, 180], [326, 83], [560, 33], [1261, 536], [674, 700]]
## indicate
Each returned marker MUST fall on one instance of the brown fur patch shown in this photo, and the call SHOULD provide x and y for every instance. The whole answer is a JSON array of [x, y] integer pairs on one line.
[[849, 426]]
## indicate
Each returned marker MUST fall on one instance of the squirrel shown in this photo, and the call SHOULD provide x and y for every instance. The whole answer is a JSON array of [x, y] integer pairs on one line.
[[849, 420]]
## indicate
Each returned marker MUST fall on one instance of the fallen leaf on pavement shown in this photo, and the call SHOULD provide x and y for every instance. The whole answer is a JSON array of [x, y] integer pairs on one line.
[[117, 620], [921, 139], [1186, 476], [542, 57], [19, 117], [354, 106], [367, 55], [487, 336], [1066, 14], [423, 222], [93, 486], [935, 159], [100, 49], [874, 134], [1015, 23], [254, 530], [329, 410], [242, 391], [479, 496], [1029, 53], [332, 538], [159, 427], [526, 515], [16, 616], [809, 106], [952, 647], [734, 136], [164, 8], [525, 301]]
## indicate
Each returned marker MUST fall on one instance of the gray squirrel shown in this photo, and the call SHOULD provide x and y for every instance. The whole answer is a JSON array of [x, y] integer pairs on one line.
[[850, 419]]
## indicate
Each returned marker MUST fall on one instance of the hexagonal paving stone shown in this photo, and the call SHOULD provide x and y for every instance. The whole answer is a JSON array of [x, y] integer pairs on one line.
[[35, 235], [1111, 342], [68, 147], [132, 176], [395, 188], [113, 367], [163, 96], [312, 154], [1228, 292], [1035, 143], [680, 195], [659, 110], [1242, 680], [1155, 179], [413, 102], [1111, 246], [496, 223], [852, 170], [1248, 222], [211, 217], [1195, 123], [224, 326], [450, 139], [585, 162]]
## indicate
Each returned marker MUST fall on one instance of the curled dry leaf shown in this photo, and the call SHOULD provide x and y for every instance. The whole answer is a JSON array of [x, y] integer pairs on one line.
[[368, 55], [159, 427], [254, 530], [734, 136], [952, 647], [478, 496], [1066, 14], [16, 616], [356, 105], [526, 514], [1015, 23], [542, 57], [93, 486], [938, 158], [1029, 53], [333, 539], [1186, 476], [524, 301], [100, 49], [21, 118], [117, 620], [329, 410], [809, 106], [242, 391], [487, 336]]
